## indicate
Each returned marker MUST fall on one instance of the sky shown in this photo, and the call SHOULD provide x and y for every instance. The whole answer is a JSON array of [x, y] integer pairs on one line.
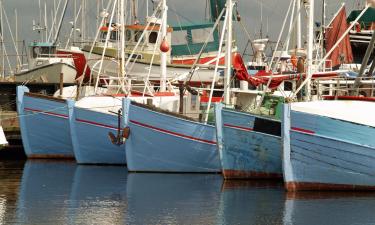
[[272, 13]]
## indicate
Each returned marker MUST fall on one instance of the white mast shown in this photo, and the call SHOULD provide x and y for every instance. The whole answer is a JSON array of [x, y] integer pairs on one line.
[[122, 36], [228, 56], [290, 24], [298, 24], [310, 45], [163, 56]]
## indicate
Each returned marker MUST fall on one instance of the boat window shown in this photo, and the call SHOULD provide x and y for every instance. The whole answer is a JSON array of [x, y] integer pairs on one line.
[[200, 35], [267, 126], [137, 35], [153, 37], [179, 37], [128, 35], [114, 36], [103, 35]]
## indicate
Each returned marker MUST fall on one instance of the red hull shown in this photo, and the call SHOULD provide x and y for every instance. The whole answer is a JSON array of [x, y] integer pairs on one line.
[[237, 174], [310, 186]]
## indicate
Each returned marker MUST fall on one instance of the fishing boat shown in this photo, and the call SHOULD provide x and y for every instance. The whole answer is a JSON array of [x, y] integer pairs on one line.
[[176, 141], [187, 43], [46, 66], [328, 145], [44, 124]]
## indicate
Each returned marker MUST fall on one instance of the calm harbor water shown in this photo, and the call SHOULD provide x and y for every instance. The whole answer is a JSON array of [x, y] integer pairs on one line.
[[53, 192]]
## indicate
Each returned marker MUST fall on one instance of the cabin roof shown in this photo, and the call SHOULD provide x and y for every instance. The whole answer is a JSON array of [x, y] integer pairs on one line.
[[367, 18]]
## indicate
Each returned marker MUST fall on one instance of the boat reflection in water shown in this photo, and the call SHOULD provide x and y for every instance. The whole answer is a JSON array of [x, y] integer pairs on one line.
[[98, 195], [341, 208], [173, 198], [45, 187], [251, 202]]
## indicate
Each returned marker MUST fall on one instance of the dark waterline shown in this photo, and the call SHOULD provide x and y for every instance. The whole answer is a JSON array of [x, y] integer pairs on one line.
[[53, 192]]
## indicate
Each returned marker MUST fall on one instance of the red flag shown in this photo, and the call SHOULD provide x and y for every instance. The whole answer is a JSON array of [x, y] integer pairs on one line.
[[343, 52]]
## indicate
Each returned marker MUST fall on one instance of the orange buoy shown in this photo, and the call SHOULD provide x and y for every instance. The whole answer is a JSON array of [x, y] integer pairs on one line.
[[164, 46]]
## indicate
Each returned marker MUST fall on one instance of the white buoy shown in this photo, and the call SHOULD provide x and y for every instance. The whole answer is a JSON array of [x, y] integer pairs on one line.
[[3, 140]]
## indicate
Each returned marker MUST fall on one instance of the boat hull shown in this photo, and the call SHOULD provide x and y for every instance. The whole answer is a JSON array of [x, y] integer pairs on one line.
[[323, 153], [48, 74], [44, 124], [159, 142], [246, 152], [91, 142], [140, 70]]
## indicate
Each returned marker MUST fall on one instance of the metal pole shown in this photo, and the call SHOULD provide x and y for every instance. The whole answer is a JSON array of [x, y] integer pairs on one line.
[[228, 56], [163, 57], [310, 45], [298, 24]]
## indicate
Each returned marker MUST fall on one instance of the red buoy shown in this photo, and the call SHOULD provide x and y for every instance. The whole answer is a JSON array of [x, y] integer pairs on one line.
[[164, 46]]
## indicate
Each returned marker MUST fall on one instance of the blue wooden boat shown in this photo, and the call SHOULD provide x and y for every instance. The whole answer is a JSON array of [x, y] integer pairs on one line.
[[93, 120], [44, 124], [161, 141], [249, 144], [329, 145]]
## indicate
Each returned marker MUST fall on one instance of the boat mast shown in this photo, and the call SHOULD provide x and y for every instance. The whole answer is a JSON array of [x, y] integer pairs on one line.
[[310, 45], [163, 56], [122, 36], [228, 56], [298, 24]]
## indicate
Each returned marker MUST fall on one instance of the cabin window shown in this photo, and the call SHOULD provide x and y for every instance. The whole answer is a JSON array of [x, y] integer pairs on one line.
[[114, 36], [193, 103], [103, 35], [128, 35], [180, 37], [137, 36], [152, 37], [200, 35]]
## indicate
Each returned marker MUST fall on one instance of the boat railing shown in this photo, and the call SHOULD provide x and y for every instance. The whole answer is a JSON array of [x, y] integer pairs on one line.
[[344, 86], [55, 56]]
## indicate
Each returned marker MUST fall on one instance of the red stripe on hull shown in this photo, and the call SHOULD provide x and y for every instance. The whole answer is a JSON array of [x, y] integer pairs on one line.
[[46, 112], [303, 130], [239, 174], [237, 127], [173, 133], [96, 124], [311, 186]]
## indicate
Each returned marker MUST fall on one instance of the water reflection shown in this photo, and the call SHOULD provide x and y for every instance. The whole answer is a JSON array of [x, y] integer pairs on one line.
[[98, 195], [173, 198], [251, 202], [339, 208], [45, 187], [51, 192]]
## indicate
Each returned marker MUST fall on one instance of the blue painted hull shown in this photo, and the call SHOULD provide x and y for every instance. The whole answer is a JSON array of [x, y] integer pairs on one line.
[[91, 142], [163, 143], [244, 151], [44, 125], [325, 153]]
